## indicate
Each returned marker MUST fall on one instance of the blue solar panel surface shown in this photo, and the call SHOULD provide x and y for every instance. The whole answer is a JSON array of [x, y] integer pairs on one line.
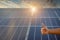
[[18, 24]]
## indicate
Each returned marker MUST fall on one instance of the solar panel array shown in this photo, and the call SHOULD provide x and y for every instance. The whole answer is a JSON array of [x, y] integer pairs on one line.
[[18, 24]]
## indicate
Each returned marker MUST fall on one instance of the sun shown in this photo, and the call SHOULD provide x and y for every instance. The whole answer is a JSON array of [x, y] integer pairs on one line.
[[33, 10]]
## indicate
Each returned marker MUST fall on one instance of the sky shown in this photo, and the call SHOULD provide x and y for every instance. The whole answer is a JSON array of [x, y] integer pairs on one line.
[[28, 3]]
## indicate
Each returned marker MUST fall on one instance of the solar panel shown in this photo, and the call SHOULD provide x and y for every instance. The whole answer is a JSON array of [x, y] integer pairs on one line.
[[17, 24]]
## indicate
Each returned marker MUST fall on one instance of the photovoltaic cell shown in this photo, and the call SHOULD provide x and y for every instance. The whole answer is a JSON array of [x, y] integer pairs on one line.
[[19, 25]]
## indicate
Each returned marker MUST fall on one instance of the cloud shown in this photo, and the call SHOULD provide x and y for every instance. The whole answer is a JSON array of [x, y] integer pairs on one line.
[[8, 4], [25, 4]]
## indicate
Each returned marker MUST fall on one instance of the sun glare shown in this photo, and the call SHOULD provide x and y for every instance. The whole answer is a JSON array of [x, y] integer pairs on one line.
[[33, 10]]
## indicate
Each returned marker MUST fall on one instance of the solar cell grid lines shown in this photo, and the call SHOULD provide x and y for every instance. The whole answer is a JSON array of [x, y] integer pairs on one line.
[[19, 25]]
